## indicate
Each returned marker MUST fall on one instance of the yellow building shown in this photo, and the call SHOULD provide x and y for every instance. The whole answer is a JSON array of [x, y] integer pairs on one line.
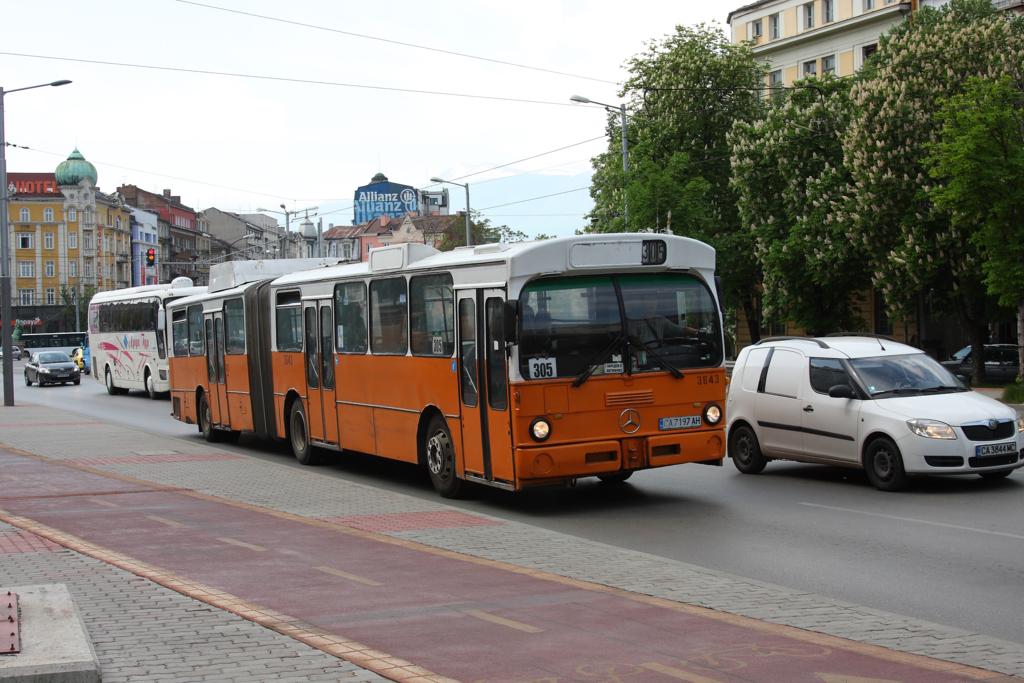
[[801, 38], [66, 238]]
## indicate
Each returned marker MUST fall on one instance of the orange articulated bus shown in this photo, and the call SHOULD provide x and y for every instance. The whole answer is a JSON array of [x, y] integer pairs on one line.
[[508, 365]]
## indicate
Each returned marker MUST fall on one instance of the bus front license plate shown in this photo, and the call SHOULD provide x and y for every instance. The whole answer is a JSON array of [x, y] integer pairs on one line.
[[684, 422], [995, 449]]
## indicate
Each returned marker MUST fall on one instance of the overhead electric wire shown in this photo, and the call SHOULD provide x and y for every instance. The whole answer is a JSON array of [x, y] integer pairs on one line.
[[533, 199], [285, 79], [535, 156], [365, 36]]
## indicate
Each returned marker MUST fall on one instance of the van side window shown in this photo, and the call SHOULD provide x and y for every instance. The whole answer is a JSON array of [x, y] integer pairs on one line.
[[826, 373], [784, 373], [752, 369]]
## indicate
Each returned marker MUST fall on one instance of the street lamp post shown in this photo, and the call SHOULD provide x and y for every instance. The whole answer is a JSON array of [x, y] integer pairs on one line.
[[621, 108], [469, 238], [5, 252], [287, 220]]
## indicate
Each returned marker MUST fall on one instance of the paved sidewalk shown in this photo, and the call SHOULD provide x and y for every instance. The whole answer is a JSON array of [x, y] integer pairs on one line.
[[58, 498]]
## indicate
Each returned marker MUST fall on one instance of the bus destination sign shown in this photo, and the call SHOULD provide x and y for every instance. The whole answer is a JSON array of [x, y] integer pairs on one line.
[[653, 252]]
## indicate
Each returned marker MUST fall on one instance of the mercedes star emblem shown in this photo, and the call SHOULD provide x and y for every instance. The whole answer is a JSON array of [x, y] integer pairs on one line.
[[629, 421]]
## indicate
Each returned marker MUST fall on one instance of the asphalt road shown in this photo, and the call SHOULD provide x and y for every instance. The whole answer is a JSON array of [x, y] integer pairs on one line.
[[950, 550]]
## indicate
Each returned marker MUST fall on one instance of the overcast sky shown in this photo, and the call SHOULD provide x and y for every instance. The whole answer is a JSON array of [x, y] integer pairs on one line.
[[244, 143]]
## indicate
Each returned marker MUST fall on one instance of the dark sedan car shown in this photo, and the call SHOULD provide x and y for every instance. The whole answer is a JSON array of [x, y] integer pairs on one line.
[[51, 367], [1001, 363]]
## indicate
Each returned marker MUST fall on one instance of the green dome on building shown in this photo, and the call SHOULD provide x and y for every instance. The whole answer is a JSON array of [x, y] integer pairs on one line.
[[73, 169]]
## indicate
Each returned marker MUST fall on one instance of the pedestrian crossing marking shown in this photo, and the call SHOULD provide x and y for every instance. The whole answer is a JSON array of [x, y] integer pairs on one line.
[[346, 575], [242, 544], [502, 621]]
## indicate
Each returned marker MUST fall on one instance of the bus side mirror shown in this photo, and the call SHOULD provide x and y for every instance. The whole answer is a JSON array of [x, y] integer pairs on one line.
[[718, 293], [511, 315], [161, 319]]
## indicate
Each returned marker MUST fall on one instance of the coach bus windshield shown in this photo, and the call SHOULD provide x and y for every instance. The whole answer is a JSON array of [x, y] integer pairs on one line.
[[570, 327]]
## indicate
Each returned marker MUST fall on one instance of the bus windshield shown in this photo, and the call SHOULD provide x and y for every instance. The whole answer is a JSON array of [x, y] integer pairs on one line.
[[570, 326]]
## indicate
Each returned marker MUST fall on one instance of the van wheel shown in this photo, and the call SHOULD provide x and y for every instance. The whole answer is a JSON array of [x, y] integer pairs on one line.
[[151, 386], [298, 434], [615, 478], [745, 451], [884, 465], [206, 421], [440, 456]]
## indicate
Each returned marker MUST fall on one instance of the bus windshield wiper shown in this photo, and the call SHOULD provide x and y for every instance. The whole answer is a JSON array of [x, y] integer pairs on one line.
[[657, 356], [597, 359]]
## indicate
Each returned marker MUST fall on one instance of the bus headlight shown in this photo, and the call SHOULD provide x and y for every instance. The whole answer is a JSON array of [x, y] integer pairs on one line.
[[712, 414], [540, 429]]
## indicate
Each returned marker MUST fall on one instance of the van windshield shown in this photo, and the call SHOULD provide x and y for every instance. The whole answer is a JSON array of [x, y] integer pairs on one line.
[[907, 375], [617, 324]]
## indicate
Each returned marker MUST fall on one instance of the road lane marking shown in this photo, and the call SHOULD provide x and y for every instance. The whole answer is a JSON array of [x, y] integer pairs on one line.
[[351, 577], [914, 519], [502, 621], [678, 673], [241, 544], [168, 522], [106, 503]]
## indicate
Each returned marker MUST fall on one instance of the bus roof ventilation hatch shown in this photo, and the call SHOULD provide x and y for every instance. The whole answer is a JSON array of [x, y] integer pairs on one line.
[[398, 256], [490, 248], [181, 282]]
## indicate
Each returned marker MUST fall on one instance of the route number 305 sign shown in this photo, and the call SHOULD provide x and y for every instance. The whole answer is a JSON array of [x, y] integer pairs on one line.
[[542, 368]]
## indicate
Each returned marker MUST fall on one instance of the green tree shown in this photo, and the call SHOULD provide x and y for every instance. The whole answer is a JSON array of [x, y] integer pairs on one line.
[[791, 185], [916, 252], [683, 95], [978, 162]]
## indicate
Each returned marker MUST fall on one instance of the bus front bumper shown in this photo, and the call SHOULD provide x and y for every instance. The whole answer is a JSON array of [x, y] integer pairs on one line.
[[565, 461]]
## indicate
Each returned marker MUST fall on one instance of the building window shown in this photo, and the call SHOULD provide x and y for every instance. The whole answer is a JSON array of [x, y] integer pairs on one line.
[[88, 267], [869, 5], [756, 30], [810, 68], [73, 214], [47, 240], [24, 240], [867, 51], [828, 64], [26, 297], [73, 240], [117, 221], [828, 11], [87, 241], [73, 268], [48, 215], [774, 27], [24, 216], [26, 269], [808, 15], [49, 269], [775, 85], [51, 296]]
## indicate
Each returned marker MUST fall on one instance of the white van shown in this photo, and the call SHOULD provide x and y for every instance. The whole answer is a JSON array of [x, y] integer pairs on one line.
[[864, 402]]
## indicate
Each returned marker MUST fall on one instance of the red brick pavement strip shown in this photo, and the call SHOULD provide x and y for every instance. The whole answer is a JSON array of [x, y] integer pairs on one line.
[[412, 521], [24, 542], [720, 646], [147, 459]]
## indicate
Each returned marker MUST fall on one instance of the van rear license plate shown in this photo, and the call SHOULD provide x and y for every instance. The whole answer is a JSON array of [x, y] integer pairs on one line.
[[995, 449], [684, 422]]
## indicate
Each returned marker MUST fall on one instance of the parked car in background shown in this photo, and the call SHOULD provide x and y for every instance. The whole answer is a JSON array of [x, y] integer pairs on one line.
[[51, 367], [80, 356], [862, 402], [16, 352], [1002, 363]]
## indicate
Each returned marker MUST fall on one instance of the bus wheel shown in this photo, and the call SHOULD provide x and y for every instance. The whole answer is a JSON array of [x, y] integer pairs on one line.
[[298, 434], [206, 421], [151, 386], [111, 389], [441, 459]]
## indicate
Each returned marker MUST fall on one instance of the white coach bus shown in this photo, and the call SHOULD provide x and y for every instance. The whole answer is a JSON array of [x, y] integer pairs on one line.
[[127, 335]]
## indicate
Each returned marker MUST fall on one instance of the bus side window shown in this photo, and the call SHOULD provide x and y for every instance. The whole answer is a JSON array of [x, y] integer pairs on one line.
[[497, 375], [432, 315], [179, 332], [467, 351], [234, 326], [388, 316], [289, 321], [195, 330], [350, 307]]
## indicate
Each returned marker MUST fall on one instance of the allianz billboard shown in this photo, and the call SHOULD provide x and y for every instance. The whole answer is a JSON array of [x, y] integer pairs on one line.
[[384, 198]]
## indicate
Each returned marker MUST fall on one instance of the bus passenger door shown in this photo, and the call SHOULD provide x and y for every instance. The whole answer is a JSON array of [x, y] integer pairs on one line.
[[219, 413], [483, 381], [318, 322]]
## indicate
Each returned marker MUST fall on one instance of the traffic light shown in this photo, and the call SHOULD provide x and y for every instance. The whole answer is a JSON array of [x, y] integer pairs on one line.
[[151, 256]]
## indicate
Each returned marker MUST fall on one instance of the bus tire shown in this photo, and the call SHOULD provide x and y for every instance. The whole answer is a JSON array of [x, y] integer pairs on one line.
[[298, 436], [150, 385], [615, 477], [440, 456], [206, 421], [111, 389]]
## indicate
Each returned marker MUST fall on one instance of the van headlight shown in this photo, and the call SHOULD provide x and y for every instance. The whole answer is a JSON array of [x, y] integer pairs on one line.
[[712, 414], [540, 429], [931, 429], [1020, 424]]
